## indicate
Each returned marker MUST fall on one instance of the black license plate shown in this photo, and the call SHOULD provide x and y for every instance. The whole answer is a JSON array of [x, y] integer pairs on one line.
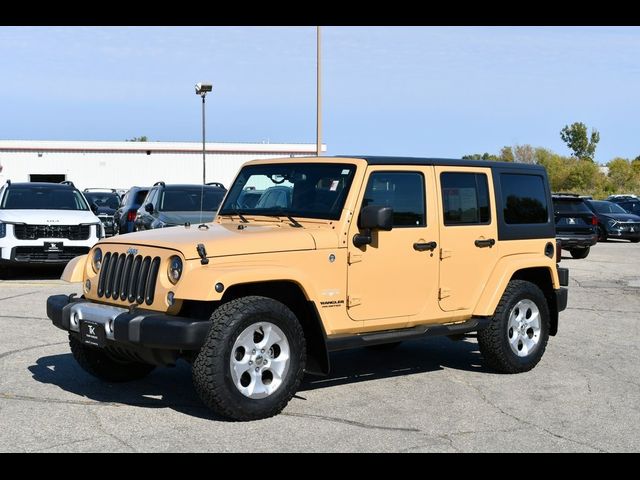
[[53, 247], [92, 333]]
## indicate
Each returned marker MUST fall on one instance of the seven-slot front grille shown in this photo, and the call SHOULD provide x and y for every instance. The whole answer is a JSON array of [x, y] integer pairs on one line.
[[128, 277], [34, 232]]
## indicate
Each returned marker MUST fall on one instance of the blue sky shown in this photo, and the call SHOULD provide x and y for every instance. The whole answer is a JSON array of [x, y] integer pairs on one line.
[[421, 91]]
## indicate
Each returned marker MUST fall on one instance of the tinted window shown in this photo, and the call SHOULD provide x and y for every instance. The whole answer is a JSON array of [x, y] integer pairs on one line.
[[633, 207], [569, 205], [188, 199], [140, 196], [465, 198], [43, 198], [606, 207], [404, 192], [524, 199], [109, 200]]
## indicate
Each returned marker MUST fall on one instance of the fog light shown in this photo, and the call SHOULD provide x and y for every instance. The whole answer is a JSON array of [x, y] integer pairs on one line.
[[87, 285], [171, 299]]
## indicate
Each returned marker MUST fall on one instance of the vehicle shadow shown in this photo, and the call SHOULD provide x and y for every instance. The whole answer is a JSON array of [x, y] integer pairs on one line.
[[173, 388]]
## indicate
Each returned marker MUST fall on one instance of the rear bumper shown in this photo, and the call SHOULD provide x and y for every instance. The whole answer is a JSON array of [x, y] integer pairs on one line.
[[139, 327], [579, 241]]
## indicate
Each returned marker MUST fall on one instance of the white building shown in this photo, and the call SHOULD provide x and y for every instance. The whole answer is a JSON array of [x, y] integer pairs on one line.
[[124, 164]]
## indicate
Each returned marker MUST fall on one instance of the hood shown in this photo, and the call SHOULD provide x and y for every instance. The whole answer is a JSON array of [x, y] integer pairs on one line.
[[180, 218], [222, 240], [622, 217], [48, 217]]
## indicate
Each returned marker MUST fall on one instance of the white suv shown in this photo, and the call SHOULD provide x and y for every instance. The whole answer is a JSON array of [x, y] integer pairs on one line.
[[45, 223]]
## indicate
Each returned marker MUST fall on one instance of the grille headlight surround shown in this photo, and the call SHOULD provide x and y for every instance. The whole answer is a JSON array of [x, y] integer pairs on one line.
[[174, 270], [96, 260]]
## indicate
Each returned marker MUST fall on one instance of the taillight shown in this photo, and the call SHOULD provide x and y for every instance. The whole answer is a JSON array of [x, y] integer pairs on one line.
[[131, 216], [594, 220], [558, 251]]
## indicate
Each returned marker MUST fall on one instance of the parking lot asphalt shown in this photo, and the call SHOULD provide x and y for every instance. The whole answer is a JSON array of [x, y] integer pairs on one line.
[[430, 395]]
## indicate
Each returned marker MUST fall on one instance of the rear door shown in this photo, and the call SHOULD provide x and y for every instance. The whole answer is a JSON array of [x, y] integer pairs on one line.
[[468, 235]]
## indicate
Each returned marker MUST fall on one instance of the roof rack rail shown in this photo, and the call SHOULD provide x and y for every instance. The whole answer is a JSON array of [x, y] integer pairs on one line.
[[565, 194], [67, 182], [112, 190], [161, 183], [216, 184]]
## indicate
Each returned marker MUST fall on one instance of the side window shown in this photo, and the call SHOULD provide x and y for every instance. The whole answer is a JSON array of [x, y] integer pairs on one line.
[[523, 198], [465, 198], [402, 191], [150, 197]]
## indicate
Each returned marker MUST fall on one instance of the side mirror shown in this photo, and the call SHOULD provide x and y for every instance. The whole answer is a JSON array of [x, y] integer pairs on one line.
[[94, 208], [149, 207], [373, 217]]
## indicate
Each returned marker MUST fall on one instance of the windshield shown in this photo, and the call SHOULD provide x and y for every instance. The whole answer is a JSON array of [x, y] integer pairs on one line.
[[311, 190], [188, 199], [607, 207], [109, 200], [43, 198]]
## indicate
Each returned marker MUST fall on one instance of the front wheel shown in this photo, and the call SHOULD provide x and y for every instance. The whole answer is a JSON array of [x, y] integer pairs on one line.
[[518, 333], [580, 252], [253, 359], [635, 240]]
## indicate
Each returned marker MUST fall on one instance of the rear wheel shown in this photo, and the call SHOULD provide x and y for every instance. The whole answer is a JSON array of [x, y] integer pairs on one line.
[[101, 364], [580, 252], [517, 336], [253, 359], [602, 234]]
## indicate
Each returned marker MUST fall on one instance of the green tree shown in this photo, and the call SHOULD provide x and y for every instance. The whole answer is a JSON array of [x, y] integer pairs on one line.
[[138, 139], [484, 156], [506, 154], [576, 138], [524, 154], [620, 174]]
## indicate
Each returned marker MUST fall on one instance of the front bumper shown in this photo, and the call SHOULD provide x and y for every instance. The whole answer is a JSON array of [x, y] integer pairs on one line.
[[138, 327], [624, 234]]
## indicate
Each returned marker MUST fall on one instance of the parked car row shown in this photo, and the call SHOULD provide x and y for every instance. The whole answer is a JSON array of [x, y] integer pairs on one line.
[[54, 222], [581, 221]]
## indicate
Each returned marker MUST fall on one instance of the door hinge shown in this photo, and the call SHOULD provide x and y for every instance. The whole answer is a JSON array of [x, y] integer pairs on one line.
[[354, 257], [444, 293], [445, 253], [353, 301]]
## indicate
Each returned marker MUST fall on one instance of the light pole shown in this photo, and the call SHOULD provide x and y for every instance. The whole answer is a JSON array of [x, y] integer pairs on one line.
[[202, 89]]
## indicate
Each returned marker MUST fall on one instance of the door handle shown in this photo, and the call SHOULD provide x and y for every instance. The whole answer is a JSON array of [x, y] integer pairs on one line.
[[421, 247], [490, 242]]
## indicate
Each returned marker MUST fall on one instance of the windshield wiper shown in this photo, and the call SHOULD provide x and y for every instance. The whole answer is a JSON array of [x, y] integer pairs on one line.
[[235, 211], [294, 222]]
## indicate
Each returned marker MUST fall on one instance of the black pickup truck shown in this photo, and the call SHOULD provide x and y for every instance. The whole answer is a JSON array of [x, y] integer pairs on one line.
[[575, 224]]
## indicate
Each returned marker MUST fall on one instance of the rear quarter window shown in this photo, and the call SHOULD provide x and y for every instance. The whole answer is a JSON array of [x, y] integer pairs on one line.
[[524, 198]]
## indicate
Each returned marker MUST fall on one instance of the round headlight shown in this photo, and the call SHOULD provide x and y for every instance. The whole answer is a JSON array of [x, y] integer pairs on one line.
[[96, 260], [174, 272]]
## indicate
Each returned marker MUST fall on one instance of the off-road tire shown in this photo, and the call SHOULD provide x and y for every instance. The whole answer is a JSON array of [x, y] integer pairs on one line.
[[494, 341], [101, 364], [384, 347], [580, 252], [211, 368]]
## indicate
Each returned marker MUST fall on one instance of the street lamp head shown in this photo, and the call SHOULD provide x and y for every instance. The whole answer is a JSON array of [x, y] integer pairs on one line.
[[203, 88]]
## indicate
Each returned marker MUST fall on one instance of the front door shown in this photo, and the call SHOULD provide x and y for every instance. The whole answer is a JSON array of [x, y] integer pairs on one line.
[[468, 235], [396, 276]]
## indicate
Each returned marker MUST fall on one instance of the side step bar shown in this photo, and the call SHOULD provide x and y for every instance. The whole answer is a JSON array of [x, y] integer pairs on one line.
[[345, 342]]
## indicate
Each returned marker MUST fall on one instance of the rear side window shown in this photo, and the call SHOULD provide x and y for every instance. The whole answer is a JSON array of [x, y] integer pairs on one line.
[[524, 199], [465, 198], [402, 191], [569, 206]]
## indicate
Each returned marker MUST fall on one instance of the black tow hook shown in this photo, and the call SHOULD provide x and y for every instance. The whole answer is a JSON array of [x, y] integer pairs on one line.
[[203, 254]]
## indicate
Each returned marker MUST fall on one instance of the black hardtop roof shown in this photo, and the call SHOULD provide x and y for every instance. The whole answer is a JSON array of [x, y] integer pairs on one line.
[[453, 162], [188, 185]]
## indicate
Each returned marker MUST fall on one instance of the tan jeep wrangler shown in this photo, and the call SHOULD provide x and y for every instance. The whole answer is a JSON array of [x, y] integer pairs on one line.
[[311, 255]]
